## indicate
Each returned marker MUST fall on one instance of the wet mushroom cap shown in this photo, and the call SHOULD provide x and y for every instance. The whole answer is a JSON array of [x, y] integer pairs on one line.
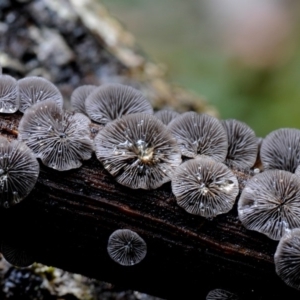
[[138, 150], [9, 102], [242, 144], [16, 256], [60, 139], [204, 187], [270, 203], [166, 115], [280, 149], [36, 89], [79, 96], [126, 247], [287, 258], [112, 101], [200, 134], [19, 171], [219, 294]]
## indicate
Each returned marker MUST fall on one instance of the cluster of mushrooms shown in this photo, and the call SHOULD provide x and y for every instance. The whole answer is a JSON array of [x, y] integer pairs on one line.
[[143, 150]]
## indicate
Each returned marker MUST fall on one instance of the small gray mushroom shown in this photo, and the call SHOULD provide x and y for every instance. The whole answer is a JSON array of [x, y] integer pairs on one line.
[[270, 203], [36, 89], [19, 171], [166, 115], [9, 102], [219, 294], [79, 96], [112, 101], [242, 144], [204, 187], [280, 149], [59, 138], [287, 258], [138, 150], [200, 134], [126, 247], [16, 256]]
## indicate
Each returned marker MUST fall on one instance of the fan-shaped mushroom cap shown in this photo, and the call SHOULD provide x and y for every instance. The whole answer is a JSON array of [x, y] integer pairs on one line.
[[112, 101], [270, 203], [19, 171], [138, 150], [16, 256], [204, 187], [166, 115], [280, 149], [287, 258], [242, 144], [200, 135], [219, 294], [79, 96], [36, 89], [9, 102], [60, 139], [126, 247]]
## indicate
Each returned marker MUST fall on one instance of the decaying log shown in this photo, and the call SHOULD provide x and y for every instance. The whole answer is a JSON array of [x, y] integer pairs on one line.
[[68, 217]]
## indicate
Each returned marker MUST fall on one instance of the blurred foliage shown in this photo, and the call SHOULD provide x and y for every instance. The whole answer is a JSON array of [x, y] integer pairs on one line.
[[183, 36]]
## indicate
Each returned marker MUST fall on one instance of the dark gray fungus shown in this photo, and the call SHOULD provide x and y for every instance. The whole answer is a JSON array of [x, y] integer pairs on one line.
[[204, 187], [112, 101], [9, 102], [281, 150], [219, 294], [60, 139], [270, 203], [287, 258], [36, 89], [19, 171], [200, 134], [138, 150], [166, 115], [79, 96], [126, 247], [16, 256], [242, 144]]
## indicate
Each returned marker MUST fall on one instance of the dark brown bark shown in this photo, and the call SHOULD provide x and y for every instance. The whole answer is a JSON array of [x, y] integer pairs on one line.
[[68, 217]]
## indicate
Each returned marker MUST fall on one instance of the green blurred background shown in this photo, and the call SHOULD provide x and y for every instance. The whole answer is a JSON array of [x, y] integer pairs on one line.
[[243, 56]]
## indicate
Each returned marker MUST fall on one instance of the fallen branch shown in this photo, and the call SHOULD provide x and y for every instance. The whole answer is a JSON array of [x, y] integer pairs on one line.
[[68, 217]]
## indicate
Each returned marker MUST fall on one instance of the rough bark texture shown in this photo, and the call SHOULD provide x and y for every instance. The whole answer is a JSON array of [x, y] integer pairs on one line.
[[68, 217]]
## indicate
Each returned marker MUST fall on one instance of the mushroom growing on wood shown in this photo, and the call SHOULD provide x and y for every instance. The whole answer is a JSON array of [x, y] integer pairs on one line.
[[19, 171], [287, 258], [9, 102], [79, 96], [204, 187], [219, 294], [200, 134], [59, 138], [36, 89], [242, 144], [16, 256], [138, 150], [166, 115], [112, 101], [270, 203], [280, 149], [126, 247]]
